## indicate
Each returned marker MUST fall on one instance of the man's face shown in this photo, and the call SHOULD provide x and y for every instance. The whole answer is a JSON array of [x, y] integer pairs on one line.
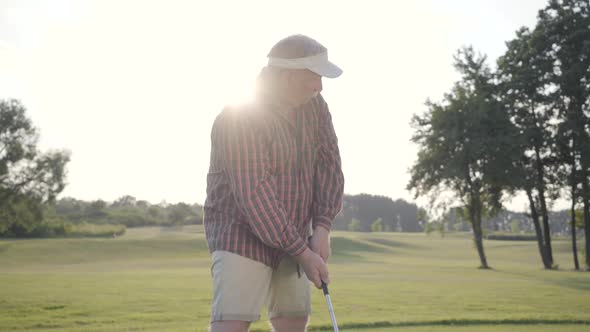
[[303, 85]]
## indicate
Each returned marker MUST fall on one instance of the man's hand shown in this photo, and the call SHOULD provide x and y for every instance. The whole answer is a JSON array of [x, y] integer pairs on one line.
[[314, 267], [320, 243]]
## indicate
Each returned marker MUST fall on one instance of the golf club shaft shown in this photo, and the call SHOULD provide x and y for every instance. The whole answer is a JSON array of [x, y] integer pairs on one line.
[[330, 308]]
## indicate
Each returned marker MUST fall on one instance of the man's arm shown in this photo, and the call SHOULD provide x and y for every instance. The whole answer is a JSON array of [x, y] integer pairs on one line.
[[328, 184]]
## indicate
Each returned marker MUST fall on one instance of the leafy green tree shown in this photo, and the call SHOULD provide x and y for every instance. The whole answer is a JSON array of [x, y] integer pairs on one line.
[[354, 226], [96, 210], [69, 205], [377, 225], [125, 201], [576, 221], [28, 177], [565, 25], [457, 219], [405, 217], [398, 215], [466, 145], [522, 71], [430, 227], [422, 216], [441, 228], [515, 226], [20, 216], [458, 227], [178, 214], [143, 204], [154, 211]]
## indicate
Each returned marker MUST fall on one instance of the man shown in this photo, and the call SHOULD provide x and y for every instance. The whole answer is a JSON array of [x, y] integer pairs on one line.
[[275, 178]]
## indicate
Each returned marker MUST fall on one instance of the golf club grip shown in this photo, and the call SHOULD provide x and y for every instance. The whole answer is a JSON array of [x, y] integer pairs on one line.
[[325, 288]]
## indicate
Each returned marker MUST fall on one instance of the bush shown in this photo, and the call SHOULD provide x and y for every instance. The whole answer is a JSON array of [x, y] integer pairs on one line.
[[377, 225], [52, 229], [59, 228], [429, 227], [511, 237], [92, 230], [355, 225], [131, 218]]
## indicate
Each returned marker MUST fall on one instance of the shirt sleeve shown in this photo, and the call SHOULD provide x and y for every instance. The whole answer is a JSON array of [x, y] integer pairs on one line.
[[328, 176], [246, 163]]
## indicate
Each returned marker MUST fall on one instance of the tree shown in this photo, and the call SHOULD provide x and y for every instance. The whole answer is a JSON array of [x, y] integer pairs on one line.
[[20, 216], [522, 71], [96, 210], [354, 226], [28, 177], [431, 226], [577, 221], [515, 226], [565, 26], [143, 204], [466, 145], [377, 225], [154, 211], [422, 216], [405, 217], [545, 77], [457, 219], [125, 201], [397, 215], [178, 214]]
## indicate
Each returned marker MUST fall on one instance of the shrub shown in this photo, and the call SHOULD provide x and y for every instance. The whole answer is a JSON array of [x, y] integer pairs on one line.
[[377, 225], [60, 228], [511, 237], [354, 226]]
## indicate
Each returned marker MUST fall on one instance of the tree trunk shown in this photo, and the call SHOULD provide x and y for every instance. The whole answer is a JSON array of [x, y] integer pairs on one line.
[[585, 195], [475, 216], [582, 147], [573, 212], [535, 218], [544, 213], [479, 245], [574, 246]]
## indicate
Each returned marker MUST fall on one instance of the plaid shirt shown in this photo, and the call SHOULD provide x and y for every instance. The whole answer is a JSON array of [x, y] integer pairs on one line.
[[273, 170]]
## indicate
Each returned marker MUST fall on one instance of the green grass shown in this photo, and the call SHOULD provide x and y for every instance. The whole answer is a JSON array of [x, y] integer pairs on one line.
[[154, 279]]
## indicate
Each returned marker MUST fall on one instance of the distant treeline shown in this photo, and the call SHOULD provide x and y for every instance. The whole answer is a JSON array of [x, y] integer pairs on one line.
[[360, 213], [370, 213], [510, 222], [74, 217], [367, 213], [128, 211]]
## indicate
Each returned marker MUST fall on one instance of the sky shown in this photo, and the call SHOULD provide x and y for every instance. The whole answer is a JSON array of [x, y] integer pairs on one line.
[[131, 88]]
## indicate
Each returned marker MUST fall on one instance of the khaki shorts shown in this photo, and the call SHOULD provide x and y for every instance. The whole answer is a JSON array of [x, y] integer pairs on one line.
[[242, 286]]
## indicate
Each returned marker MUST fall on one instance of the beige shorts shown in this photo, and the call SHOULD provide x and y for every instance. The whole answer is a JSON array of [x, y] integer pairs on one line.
[[242, 286]]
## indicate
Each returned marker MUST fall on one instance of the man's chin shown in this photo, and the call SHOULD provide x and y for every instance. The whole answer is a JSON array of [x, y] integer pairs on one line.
[[310, 98]]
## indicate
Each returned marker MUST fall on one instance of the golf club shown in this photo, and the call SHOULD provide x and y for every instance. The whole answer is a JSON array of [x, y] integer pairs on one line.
[[330, 308]]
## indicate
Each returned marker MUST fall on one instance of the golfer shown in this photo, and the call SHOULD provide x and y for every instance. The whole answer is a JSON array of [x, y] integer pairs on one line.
[[274, 186]]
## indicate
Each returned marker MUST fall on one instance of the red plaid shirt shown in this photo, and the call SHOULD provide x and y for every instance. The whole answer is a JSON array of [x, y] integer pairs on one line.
[[273, 170]]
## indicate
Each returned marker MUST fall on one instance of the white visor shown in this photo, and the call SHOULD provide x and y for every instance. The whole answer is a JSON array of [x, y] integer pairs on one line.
[[318, 64]]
